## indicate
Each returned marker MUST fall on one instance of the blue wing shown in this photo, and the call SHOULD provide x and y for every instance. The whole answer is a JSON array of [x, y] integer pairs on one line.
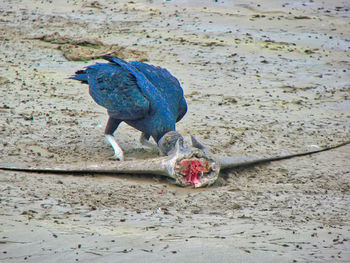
[[114, 87], [167, 84], [127, 90]]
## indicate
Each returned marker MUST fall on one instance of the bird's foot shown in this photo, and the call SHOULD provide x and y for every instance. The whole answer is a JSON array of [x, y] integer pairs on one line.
[[144, 140], [118, 152], [118, 157]]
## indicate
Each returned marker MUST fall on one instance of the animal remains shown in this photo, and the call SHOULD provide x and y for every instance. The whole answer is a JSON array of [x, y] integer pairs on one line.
[[151, 100]]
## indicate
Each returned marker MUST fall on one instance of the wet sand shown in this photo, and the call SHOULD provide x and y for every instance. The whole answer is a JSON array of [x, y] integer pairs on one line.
[[259, 78]]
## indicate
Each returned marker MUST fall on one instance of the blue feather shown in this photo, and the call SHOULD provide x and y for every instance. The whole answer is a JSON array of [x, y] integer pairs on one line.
[[80, 75], [146, 97], [167, 84]]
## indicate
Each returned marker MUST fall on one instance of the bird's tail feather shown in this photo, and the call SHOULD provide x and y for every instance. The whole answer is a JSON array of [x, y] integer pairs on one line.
[[81, 76]]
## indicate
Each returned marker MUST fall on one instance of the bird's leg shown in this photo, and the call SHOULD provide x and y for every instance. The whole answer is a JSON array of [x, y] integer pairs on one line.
[[111, 126], [118, 152], [144, 140]]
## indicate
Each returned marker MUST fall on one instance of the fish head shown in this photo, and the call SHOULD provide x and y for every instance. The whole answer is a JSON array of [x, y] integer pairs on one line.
[[194, 166]]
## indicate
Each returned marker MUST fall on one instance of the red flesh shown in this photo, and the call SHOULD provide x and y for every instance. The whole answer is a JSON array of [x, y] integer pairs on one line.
[[191, 169]]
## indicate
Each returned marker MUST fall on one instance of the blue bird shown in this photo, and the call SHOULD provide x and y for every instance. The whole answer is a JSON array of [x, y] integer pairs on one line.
[[146, 97]]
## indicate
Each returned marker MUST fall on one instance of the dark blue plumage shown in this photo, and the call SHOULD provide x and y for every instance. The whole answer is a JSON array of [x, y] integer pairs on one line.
[[146, 97]]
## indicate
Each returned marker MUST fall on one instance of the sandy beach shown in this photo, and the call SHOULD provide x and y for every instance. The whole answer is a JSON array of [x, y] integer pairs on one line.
[[260, 77]]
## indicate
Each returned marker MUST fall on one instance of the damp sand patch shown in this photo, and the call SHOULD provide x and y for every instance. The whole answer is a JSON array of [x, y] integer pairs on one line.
[[84, 49]]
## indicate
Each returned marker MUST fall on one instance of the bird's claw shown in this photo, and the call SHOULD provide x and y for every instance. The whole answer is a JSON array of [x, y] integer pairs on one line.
[[148, 145], [117, 157], [118, 152], [144, 140]]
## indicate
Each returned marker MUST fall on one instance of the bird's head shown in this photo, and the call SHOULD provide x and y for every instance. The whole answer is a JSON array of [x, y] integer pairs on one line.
[[167, 143], [194, 166]]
